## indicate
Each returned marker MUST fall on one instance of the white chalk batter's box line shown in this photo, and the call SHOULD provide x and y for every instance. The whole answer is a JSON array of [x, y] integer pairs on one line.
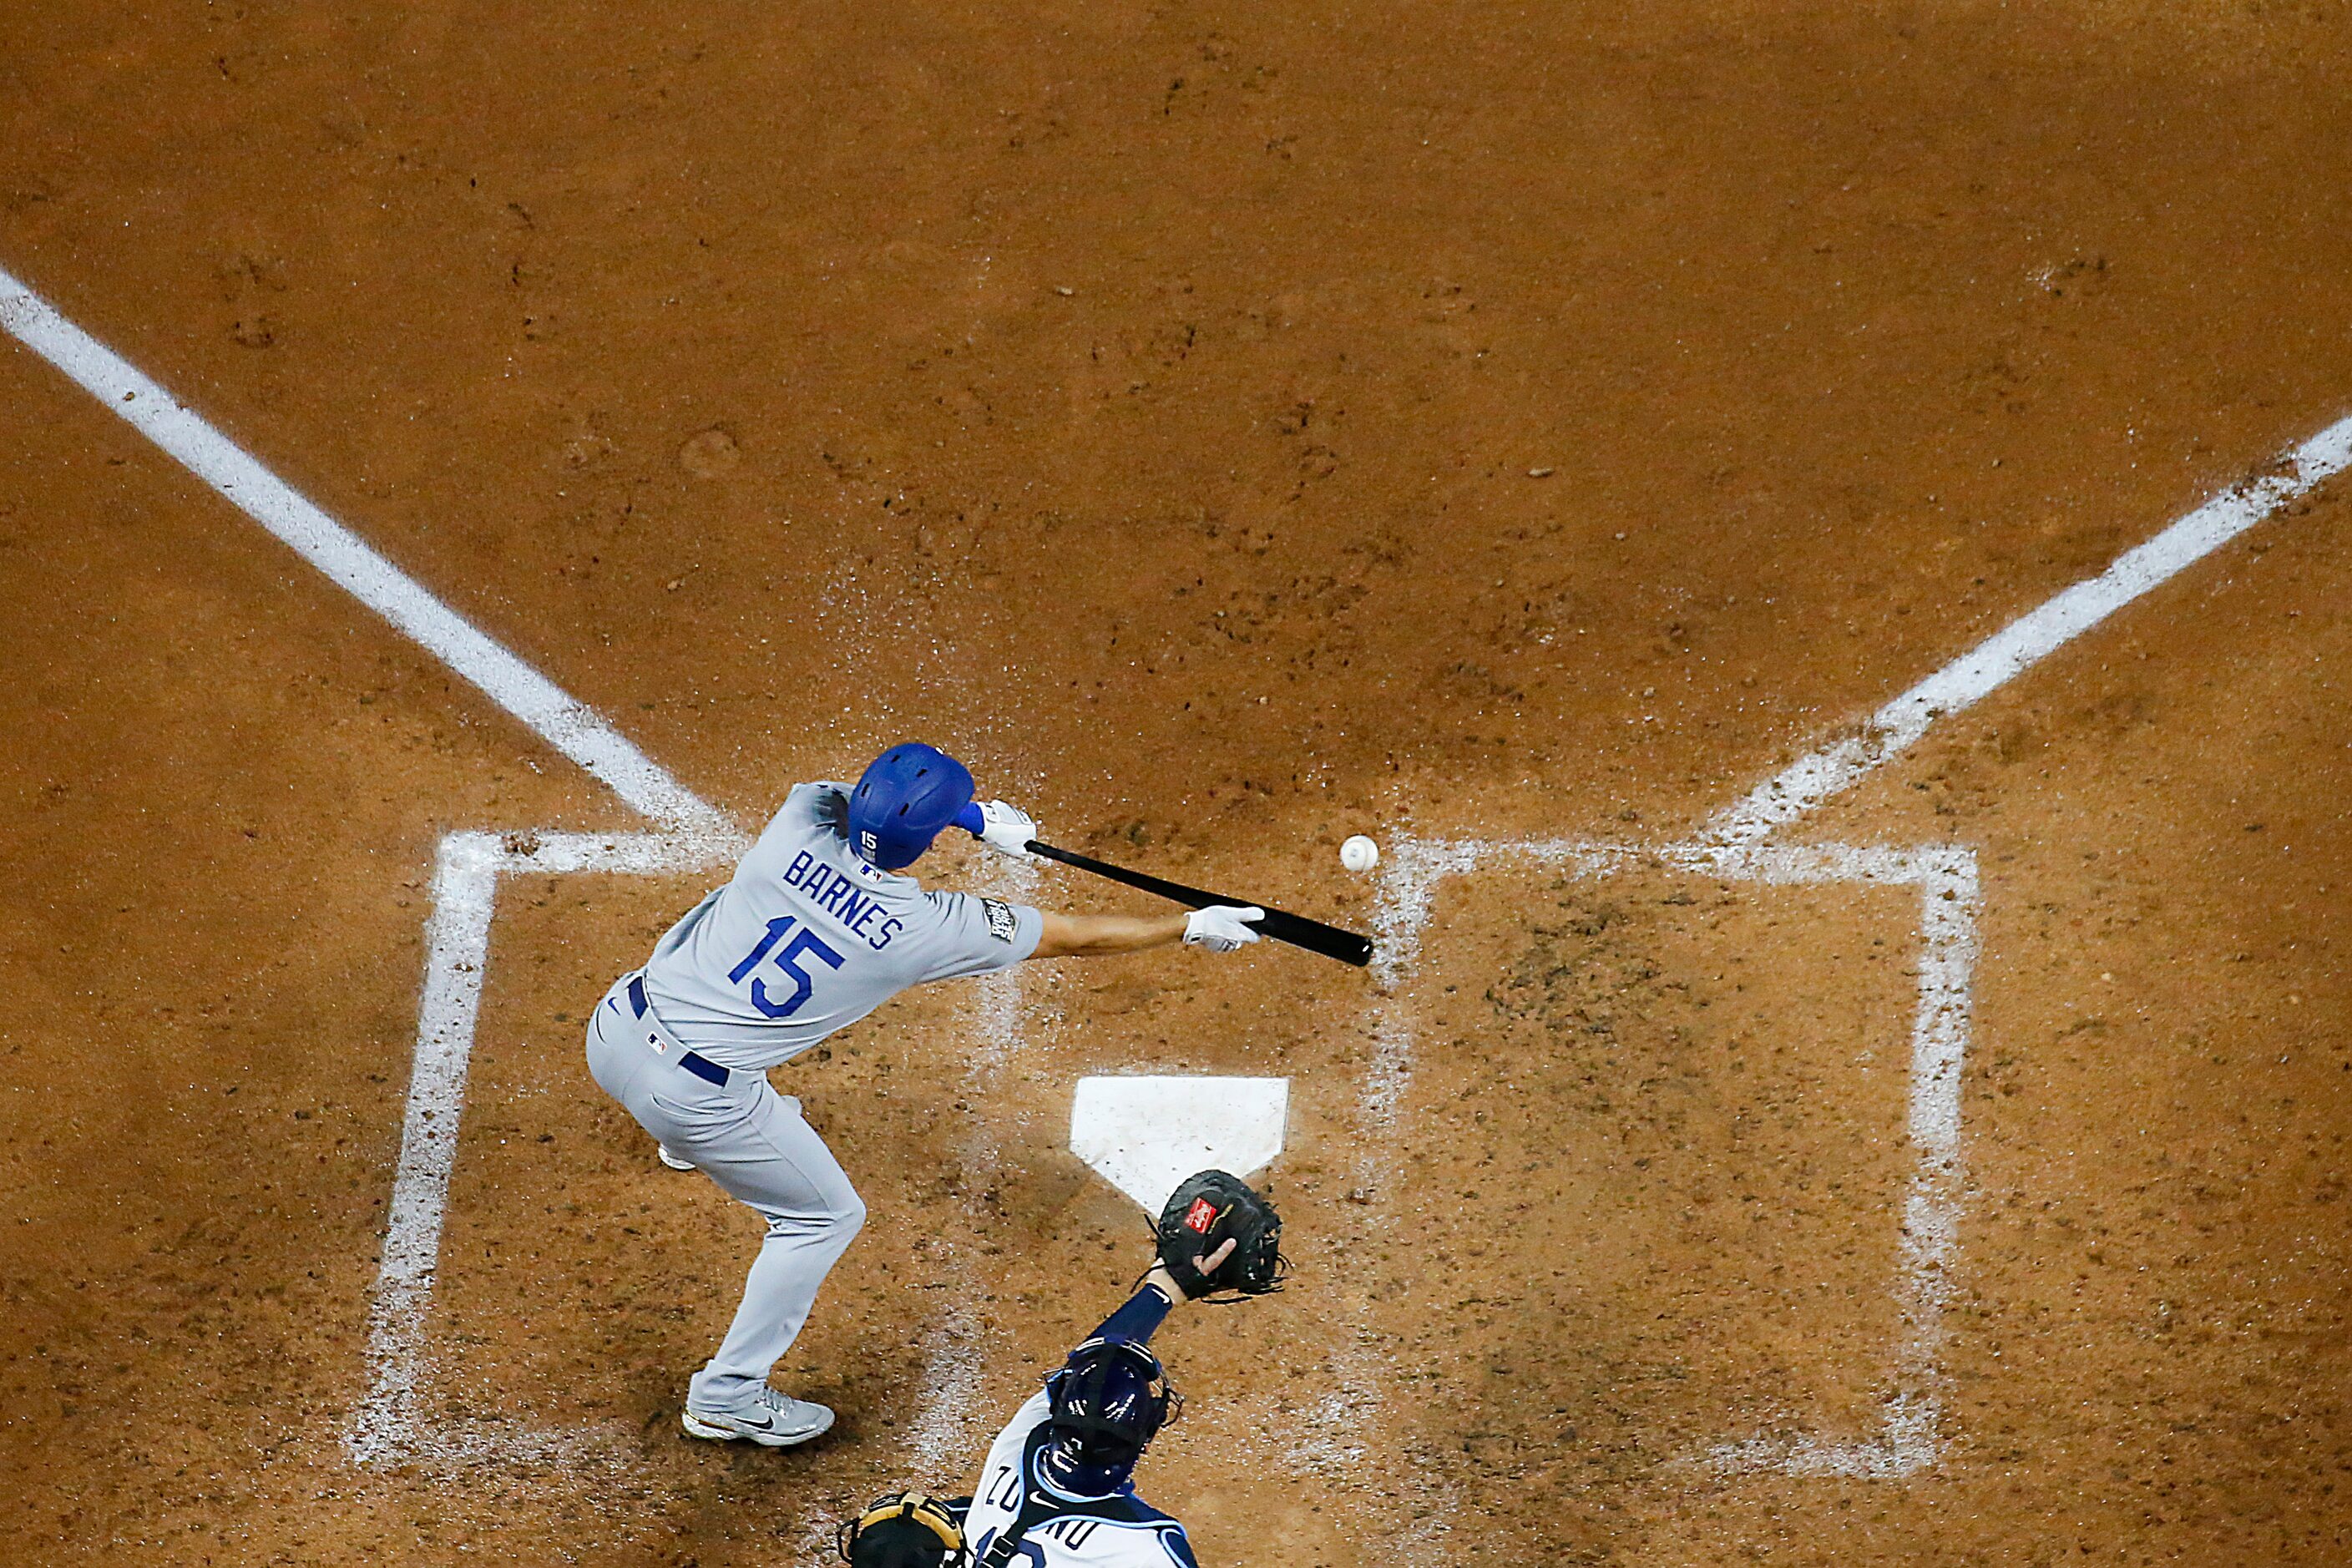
[[1910, 1437], [393, 1422]]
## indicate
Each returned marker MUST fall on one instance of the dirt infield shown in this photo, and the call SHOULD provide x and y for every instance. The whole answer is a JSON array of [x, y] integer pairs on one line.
[[1228, 431]]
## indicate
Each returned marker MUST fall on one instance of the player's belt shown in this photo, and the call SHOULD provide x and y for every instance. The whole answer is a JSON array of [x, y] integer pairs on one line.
[[700, 1066]]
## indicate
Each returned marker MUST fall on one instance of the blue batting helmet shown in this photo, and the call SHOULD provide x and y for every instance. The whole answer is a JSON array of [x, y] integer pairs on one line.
[[1107, 1403], [903, 799]]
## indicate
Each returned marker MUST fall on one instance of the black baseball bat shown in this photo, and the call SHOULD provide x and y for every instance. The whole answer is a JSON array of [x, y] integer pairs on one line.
[[1296, 930]]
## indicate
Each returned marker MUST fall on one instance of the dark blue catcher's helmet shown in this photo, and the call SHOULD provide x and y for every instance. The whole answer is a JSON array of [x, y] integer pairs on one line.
[[1107, 1403], [903, 799]]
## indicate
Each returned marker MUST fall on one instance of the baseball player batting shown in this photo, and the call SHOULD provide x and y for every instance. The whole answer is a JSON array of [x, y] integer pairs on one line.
[[818, 927]]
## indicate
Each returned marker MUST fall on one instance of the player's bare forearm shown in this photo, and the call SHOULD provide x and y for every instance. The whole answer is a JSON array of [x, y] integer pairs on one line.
[[1094, 936]]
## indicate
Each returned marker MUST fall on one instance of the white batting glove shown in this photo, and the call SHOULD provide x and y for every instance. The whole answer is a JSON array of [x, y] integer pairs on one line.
[[1007, 830], [1221, 928]]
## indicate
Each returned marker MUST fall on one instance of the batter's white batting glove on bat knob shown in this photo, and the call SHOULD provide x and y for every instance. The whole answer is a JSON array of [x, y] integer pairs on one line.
[[1007, 830], [1221, 928]]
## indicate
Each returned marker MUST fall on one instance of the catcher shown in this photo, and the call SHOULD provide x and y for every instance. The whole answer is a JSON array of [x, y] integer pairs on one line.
[[1057, 1487]]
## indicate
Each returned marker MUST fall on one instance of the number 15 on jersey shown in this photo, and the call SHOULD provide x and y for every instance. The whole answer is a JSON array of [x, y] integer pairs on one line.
[[805, 943]]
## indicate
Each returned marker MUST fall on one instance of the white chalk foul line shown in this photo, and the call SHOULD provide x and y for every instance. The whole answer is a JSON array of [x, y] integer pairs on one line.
[[390, 1423], [2034, 636], [570, 726]]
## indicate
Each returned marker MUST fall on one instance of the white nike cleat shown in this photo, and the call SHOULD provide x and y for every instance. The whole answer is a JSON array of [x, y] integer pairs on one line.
[[771, 1419], [672, 1160]]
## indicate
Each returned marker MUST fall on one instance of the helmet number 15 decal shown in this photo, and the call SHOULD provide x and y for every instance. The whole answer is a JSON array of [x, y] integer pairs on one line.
[[803, 942]]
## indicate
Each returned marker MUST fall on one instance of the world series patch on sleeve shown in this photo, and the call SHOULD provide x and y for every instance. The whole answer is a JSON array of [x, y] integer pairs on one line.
[[1002, 922]]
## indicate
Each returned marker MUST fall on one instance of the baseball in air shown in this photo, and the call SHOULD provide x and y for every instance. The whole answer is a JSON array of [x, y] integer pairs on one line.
[[1360, 854]]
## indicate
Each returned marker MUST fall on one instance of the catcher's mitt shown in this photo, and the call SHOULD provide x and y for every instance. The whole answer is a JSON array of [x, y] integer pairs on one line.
[[1199, 1216], [904, 1530]]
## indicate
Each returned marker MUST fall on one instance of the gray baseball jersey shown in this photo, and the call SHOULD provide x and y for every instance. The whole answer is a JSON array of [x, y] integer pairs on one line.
[[808, 938]]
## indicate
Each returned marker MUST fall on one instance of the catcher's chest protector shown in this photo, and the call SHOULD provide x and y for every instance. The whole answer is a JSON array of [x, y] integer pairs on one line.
[[1014, 1520]]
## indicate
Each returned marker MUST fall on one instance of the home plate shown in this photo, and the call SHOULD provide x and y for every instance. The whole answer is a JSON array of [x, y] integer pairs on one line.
[[1145, 1136]]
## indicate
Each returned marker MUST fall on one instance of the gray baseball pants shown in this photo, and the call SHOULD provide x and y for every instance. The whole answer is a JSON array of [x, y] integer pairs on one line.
[[753, 1141]]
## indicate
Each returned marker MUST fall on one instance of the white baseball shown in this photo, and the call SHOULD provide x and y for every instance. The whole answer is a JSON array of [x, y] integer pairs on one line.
[[1360, 854]]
